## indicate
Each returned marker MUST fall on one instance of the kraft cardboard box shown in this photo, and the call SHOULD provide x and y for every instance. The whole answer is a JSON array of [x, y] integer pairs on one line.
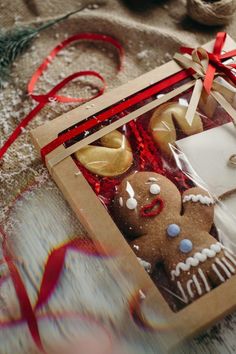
[[90, 185]]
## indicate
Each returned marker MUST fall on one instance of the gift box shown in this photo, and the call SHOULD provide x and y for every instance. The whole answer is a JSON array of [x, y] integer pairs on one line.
[[128, 164]]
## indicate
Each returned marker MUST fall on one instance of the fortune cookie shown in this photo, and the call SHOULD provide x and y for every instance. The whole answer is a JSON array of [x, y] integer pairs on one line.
[[164, 121], [111, 158]]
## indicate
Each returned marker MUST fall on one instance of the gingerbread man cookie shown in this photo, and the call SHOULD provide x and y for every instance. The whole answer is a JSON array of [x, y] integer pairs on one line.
[[167, 228]]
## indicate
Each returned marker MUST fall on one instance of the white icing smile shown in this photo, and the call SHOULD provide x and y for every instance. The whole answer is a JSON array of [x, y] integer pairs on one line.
[[197, 258], [202, 199]]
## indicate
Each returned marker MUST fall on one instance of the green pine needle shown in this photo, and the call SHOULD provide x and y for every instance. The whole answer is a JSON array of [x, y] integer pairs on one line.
[[15, 42], [12, 44]]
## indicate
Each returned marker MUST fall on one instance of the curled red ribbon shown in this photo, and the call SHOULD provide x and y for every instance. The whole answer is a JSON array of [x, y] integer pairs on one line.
[[51, 95]]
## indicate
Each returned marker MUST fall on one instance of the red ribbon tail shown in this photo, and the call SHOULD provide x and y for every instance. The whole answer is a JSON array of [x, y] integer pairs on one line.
[[56, 261], [25, 305], [19, 129], [219, 43], [208, 81], [51, 275], [218, 46]]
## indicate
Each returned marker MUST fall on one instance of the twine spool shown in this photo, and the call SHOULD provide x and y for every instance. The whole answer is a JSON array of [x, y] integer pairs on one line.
[[211, 12]]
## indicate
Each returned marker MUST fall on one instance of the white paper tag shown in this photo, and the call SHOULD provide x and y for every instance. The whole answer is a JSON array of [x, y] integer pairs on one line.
[[208, 154]]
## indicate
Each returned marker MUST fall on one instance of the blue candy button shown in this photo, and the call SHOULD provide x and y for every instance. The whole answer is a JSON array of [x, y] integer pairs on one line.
[[173, 230], [185, 246]]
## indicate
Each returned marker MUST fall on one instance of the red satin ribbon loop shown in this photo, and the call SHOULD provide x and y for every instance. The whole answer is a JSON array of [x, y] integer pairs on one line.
[[68, 41], [51, 96], [27, 311]]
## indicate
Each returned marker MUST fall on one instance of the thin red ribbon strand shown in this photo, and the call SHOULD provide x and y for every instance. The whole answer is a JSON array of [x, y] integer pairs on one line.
[[51, 95], [215, 61], [51, 275], [27, 311]]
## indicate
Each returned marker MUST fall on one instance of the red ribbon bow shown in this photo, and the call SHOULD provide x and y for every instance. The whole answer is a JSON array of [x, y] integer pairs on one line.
[[215, 61]]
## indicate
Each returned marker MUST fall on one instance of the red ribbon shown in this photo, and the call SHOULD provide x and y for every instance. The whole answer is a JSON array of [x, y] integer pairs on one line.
[[51, 95], [215, 61], [52, 272], [27, 312]]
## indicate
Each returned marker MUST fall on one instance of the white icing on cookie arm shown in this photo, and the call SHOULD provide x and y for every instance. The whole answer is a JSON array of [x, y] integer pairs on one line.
[[198, 198], [197, 195], [196, 259]]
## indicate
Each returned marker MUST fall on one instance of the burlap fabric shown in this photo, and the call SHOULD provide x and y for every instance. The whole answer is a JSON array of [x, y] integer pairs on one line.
[[150, 36]]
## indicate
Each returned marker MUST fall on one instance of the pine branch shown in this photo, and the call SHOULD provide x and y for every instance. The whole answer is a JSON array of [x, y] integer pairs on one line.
[[15, 42]]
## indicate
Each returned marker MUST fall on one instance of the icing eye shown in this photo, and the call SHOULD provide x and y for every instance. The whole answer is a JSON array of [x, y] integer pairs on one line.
[[155, 188], [131, 203], [185, 245], [173, 230]]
